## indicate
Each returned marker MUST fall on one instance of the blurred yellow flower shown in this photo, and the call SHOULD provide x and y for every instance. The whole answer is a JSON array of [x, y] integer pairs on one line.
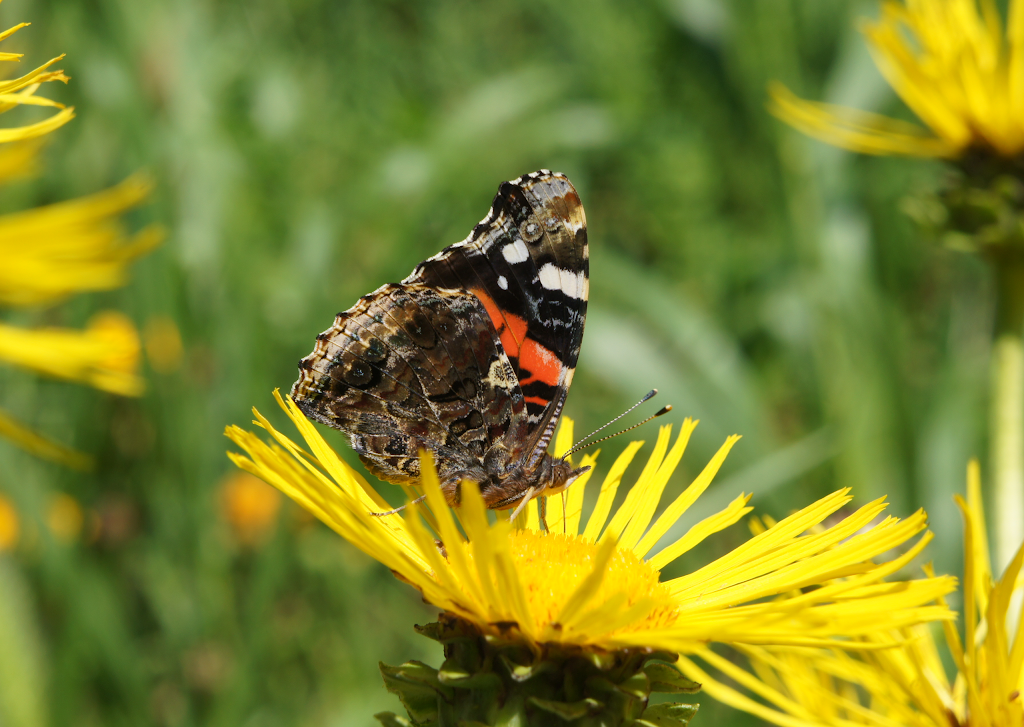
[[64, 518], [10, 525], [596, 583], [105, 355], [899, 678], [71, 247], [59, 250], [952, 63], [250, 506], [163, 344]]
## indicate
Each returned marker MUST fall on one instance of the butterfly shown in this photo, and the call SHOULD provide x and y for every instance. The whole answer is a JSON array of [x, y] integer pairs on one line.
[[470, 357]]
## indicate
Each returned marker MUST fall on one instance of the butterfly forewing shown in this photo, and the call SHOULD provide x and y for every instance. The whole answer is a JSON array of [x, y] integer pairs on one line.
[[528, 263]]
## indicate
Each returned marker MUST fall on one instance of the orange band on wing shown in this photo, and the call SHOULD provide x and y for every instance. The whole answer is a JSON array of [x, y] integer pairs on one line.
[[540, 362], [511, 328]]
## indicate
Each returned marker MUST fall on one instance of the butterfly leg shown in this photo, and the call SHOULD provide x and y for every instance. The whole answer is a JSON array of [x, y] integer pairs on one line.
[[542, 512], [397, 510]]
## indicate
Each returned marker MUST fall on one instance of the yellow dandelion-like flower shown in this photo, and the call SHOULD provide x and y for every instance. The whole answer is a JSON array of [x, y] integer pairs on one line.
[[956, 67], [52, 252], [900, 678], [597, 584]]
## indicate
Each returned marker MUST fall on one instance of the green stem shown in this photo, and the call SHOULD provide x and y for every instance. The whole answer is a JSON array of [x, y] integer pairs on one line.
[[1008, 410]]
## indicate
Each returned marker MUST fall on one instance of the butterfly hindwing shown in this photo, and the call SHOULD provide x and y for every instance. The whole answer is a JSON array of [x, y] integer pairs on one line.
[[410, 355]]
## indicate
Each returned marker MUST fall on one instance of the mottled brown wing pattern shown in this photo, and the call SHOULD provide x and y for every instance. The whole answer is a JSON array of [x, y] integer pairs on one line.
[[404, 369], [528, 263], [471, 356]]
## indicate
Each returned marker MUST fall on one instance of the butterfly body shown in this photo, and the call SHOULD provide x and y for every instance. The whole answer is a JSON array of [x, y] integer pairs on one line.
[[470, 357]]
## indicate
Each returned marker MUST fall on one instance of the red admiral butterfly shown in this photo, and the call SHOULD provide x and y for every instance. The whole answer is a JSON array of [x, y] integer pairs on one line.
[[470, 357]]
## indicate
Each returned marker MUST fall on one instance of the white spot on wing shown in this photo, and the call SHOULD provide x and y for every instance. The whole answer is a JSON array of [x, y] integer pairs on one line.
[[515, 252], [502, 282], [501, 375], [575, 285]]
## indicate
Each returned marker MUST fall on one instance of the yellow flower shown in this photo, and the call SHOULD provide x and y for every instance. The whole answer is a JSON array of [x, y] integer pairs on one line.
[[899, 678], [952, 63], [52, 252], [597, 583], [10, 525]]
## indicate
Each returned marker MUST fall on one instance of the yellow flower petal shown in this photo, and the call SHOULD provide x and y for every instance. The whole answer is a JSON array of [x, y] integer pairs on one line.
[[857, 131], [40, 446], [54, 251], [898, 679], [18, 161], [21, 92], [952, 64]]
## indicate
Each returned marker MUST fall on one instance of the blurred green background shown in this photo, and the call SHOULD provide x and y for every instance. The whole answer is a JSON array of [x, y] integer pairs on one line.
[[307, 152]]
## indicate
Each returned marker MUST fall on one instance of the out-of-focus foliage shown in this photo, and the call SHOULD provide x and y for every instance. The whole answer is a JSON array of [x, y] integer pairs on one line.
[[306, 152]]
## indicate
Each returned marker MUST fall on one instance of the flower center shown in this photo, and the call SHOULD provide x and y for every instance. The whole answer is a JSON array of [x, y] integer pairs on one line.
[[551, 566]]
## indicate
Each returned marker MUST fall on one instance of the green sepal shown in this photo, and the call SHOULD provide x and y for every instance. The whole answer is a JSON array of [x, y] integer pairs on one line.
[[568, 711], [500, 679], [452, 675], [638, 685], [390, 719], [447, 630], [601, 659], [669, 714], [523, 672], [418, 687], [669, 680], [627, 702], [978, 206]]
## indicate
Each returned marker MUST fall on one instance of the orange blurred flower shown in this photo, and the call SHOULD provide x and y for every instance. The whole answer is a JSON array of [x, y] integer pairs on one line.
[[10, 526], [250, 506], [64, 518], [163, 344]]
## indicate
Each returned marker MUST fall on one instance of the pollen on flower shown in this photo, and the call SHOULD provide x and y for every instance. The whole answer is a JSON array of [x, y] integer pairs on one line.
[[552, 566]]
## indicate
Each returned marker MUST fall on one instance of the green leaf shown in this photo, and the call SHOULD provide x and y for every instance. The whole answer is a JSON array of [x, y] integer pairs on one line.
[[23, 696], [666, 678]]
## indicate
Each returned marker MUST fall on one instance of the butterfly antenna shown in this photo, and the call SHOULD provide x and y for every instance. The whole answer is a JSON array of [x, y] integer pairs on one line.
[[649, 395]]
